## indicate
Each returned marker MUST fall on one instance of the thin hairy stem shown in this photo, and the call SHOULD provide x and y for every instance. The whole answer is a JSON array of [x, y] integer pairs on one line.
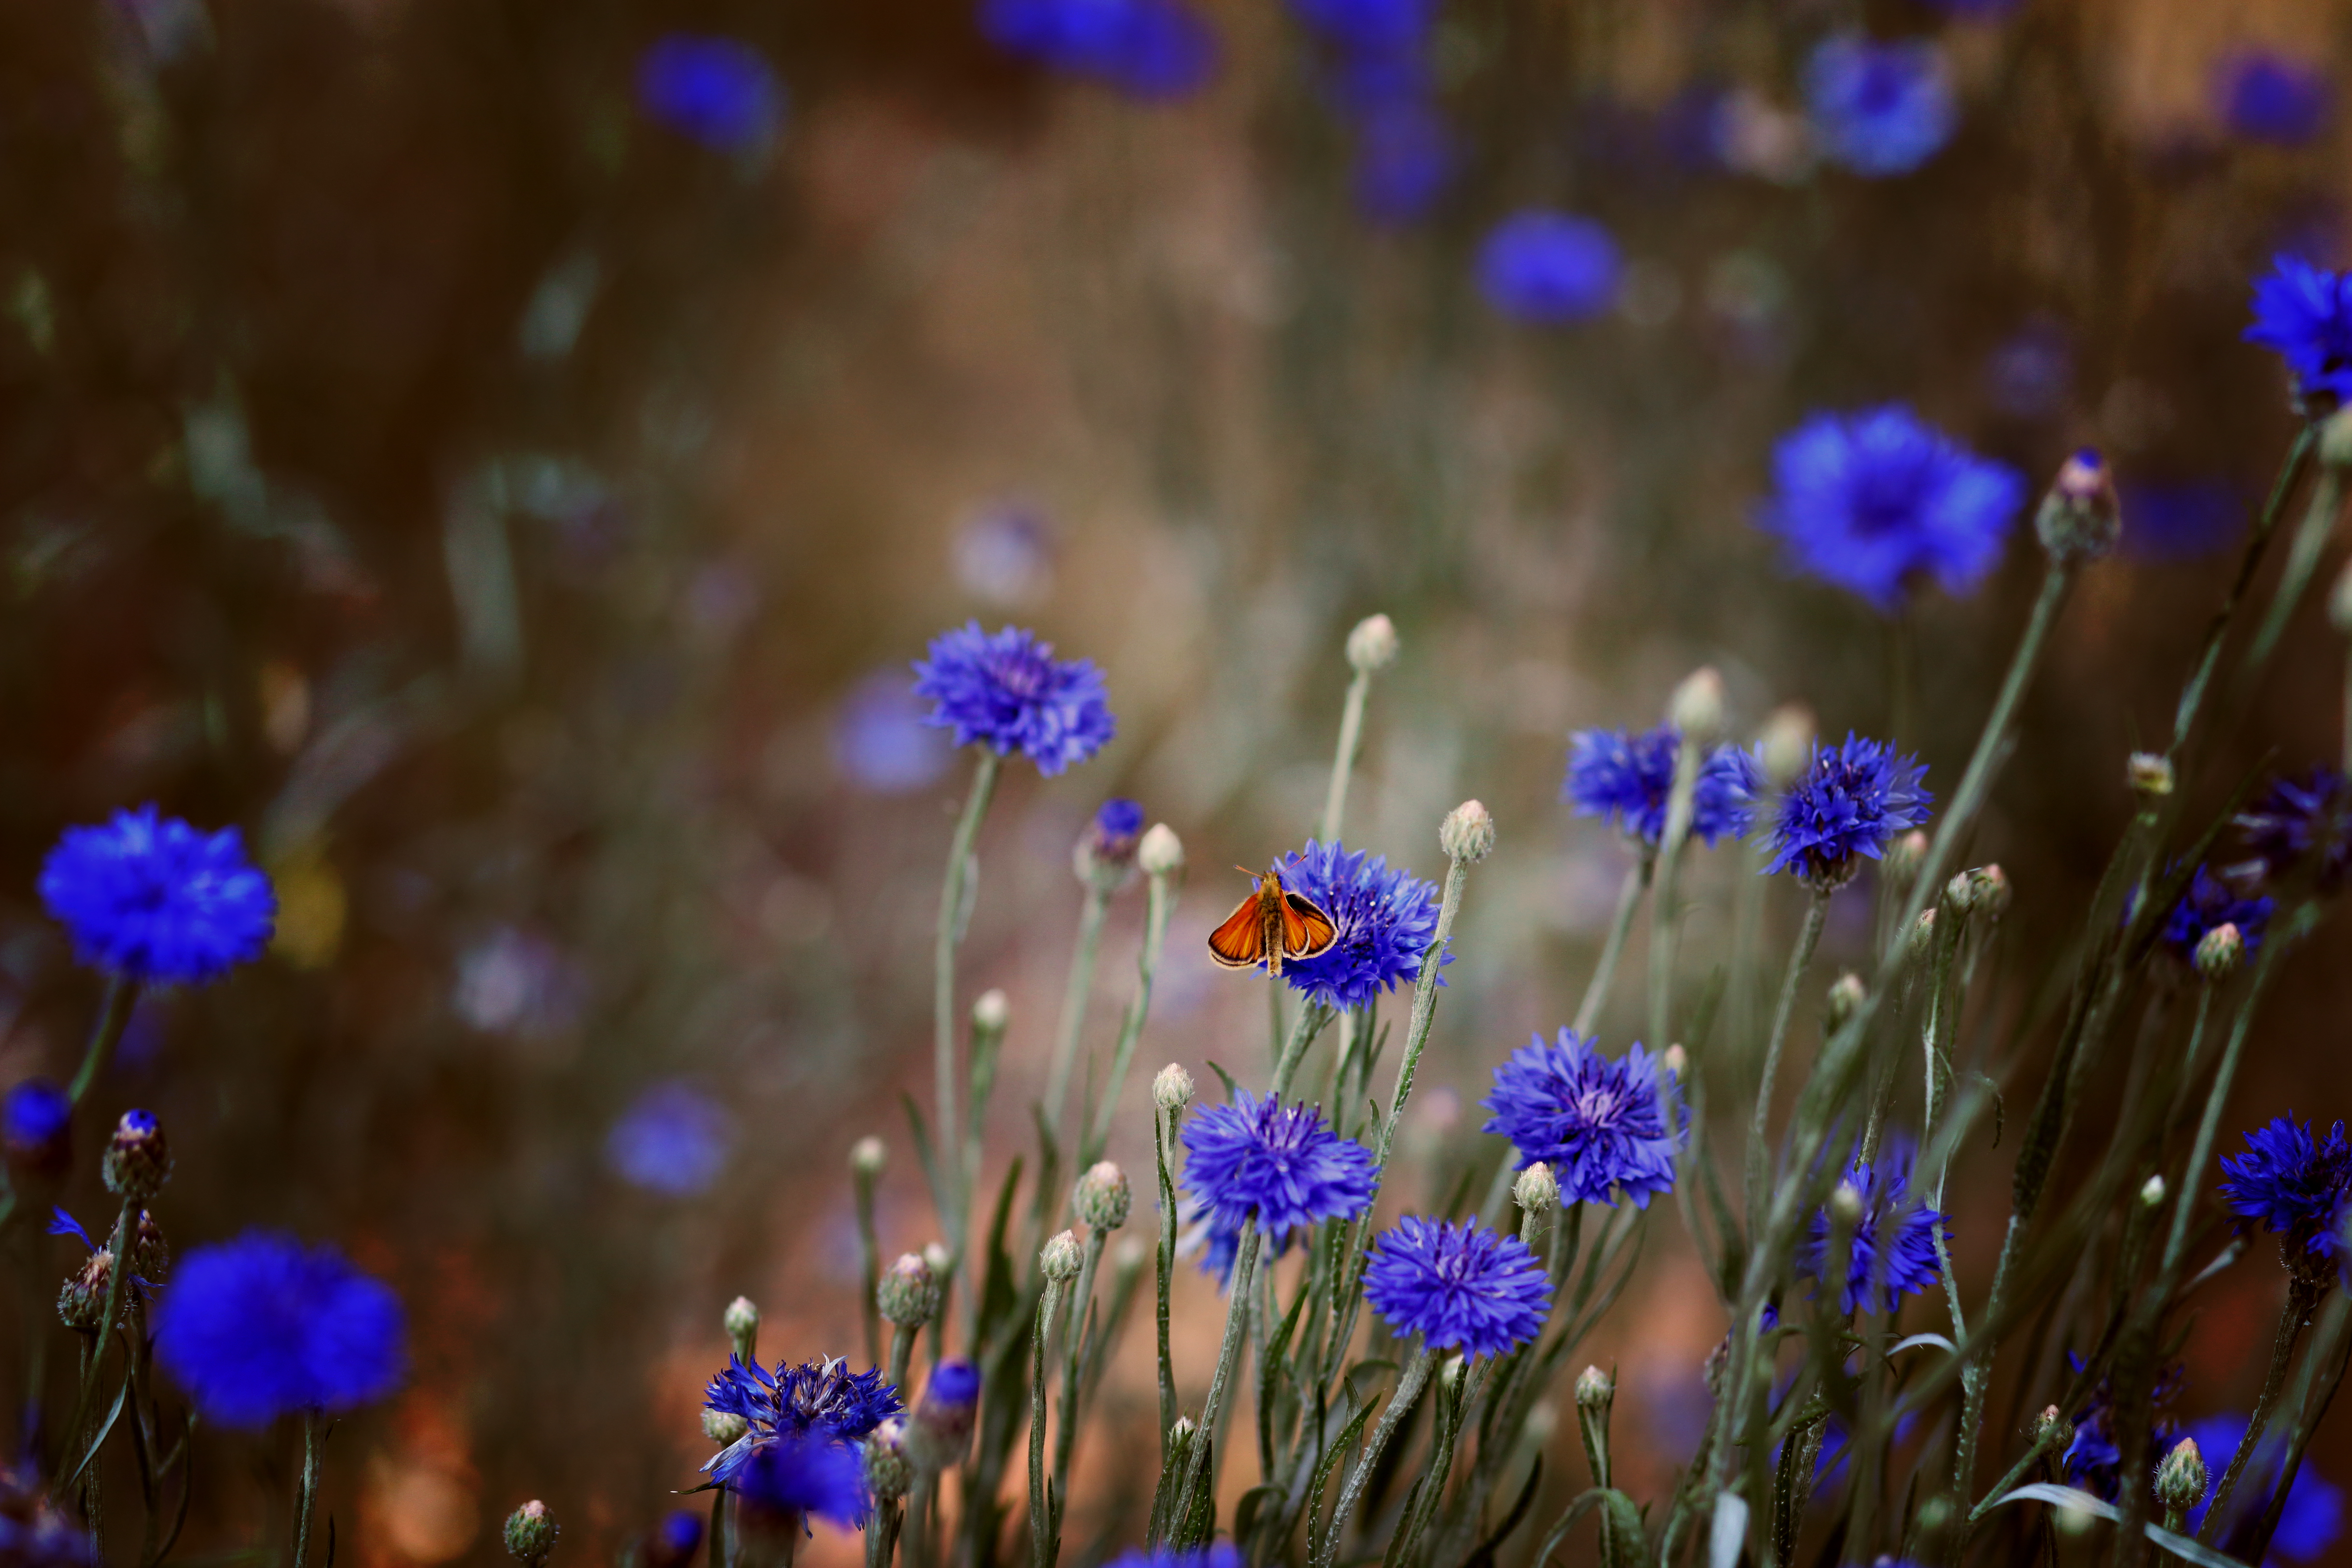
[[1629, 901], [1091, 916], [955, 890]]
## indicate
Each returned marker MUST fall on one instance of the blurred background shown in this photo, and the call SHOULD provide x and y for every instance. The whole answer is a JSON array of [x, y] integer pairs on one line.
[[505, 453]]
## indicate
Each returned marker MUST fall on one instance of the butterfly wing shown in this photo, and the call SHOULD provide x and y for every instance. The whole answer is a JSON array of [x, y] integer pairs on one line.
[[1240, 942], [1307, 931]]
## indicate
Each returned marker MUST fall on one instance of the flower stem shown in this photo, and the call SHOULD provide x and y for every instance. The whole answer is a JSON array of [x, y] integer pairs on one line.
[[1400, 1406], [2192, 695], [306, 1491], [1073, 1335], [1163, 1126], [1091, 915], [114, 1016], [1343, 762], [869, 1263], [2303, 555], [1044, 1540], [1629, 899], [1237, 1314], [1160, 906], [1662, 908], [1800, 958], [2302, 1295], [126, 1227], [953, 893]]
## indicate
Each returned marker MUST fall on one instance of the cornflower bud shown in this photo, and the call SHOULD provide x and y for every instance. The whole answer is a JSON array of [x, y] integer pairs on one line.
[[741, 1321], [1159, 852], [723, 1427], [937, 1255], [2080, 517], [2180, 1481], [1845, 1205], [2149, 773], [137, 1160], [1675, 1060], [1372, 645], [868, 1156], [1061, 1257], [1172, 1090], [1467, 833], [1923, 934], [1105, 852], [1536, 1190], [1934, 1514], [1904, 857], [1595, 1389], [1449, 1374], [1989, 891], [889, 1473], [2052, 1429], [2218, 951], [82, 1301], [530, 1533], [2151, 1192], [1787, 743], [1103, 1197], [909, 1293], [1846, 999], [939, 1434], [1960, 894], [1697, 709], [151, 1255], [990, 1012]]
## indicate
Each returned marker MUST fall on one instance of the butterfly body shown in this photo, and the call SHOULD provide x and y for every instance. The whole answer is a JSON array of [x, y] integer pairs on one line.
[[1272, 926]]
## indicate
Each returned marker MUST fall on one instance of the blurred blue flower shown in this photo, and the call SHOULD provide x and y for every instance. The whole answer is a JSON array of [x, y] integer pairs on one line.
[[1627, 779], [36, 1532], [718, 91], [2181, 521], [1460, 1286], [1976, 10], [2266, 96], [1145, 48], [1004, 552], [1276, 1164], [36, 1126], [1220, 1245], [152, 899], [1893, 1245], [675, 1539], [1387, 917], [2305, 313], [1549, 267], [1879, 109], [1215, 1555], [2093, 1461], [2301, 825], [673, 1140], [264, 1326], [1870, 501], [2208, 903], [882, 737], [2313, 1516], [2027, 374], [2292, 1182], [1597, 1124], [820, 1402], [1405, 161], [1007, 691], [1369, 26], [802, 1477], [1850, 802]]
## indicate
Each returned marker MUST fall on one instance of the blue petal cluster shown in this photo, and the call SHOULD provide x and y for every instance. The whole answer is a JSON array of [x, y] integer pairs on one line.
[[36, 1126], [718, 91], [1626, 779], [1216, 1554], [2208, 903], [1850, 802], [1893, 1245], [152, 899], [1549, 267], [1387, 917], [2265, 97], [2301, 825], [2092, 1460], [1460, 1286], [2312, 1520], [674, 1140], [264, 1326], [802, 1477], [1871, 502], [1382, 84], [818, 1400], [1879, 109], [1277, 1164], [1596, 1123], [1144, 48], [2305, 313], [2294, 1184], [1007, 691]]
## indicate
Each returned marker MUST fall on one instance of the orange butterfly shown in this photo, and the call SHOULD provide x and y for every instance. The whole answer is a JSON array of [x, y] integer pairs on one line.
[[1272, 924]]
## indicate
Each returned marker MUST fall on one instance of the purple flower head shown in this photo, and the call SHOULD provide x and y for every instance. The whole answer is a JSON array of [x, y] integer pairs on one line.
[[1879, 109], [2265, 97], [1549, 267], [2093, 1461], [674, 1140], [1278, 1164], [1596, 1123], [2313, 1516], [2301, 825], [264, 1326], [2207, 903], [1893, 1246], [820, 1402], [149, 898], [2294, 1183], [1627, 780], [2305, 313], [1387, 919], [1871, 502], [801, 1477], [36, 1126], [718, 91], [1152, 49], [1007, 691], [1460, 1286], [1850, 802]]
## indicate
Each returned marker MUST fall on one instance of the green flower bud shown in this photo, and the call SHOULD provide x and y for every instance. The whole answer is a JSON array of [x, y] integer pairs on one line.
[[1372, 645], [531, 1532], [2149, 773], [1159, 852], [1467, 833], [138, 1160], [1172, 1090], [2219, 951], [1061, 1258], [1536, 1190], [889, 1473], [908, 1293], [2080, 517], [1102, 1197]]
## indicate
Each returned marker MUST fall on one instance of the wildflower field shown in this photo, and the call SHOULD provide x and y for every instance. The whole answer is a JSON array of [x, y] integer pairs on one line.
[[1177, 783]]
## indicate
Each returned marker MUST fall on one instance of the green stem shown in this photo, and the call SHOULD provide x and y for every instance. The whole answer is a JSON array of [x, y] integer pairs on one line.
[[1163, 1125], [114, 1016], [2301, 1297], [126, 1229], [1759, 1125], [1091, 915], [2001, 1488], [2302, 562], [869, 1264], [2209, 1125], [949, 1119], [1073, 1335], [1351, 725], [1400, 1406], [1312, 1017], [1160, 906], [2192, 695], [1044, 1540], [306, 1490], [1662, 908], [1237, 1313], [1629, 899]]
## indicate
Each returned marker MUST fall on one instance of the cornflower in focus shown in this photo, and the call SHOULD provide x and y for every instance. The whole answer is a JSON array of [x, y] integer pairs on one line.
[[2295, 1183], [1628, 780], [1596, 1123], [1386, 918], [1144, 48], [1894, 1248], [2265, 97], [1850, 802], [2301, 825], [264, 1326], [150, 899], [1279, 1164], [1549, 267], [1879, 109], [2303, 312], [1871, 502], [820, 1401], [715, 90], [1460, 1286], [1008, 692]]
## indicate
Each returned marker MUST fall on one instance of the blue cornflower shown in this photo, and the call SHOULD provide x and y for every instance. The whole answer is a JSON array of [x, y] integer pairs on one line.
[[821, 1401], [1879, 109], [1405, 159], [2292, 1182], [1893, 1245], [1549, 267], [1145, 48], [1276, 1164], [2182, 519], [1216, 1554], [264, 1326], [2313, 1515], [673, 1140], [674, 1540], [2305, 313], [882, 737], [1369, 26], [2301, 825], [718, 91], [1107, 847], [802, 1477], [2092, 1460], [152, 899], [2208, 903], [2265, 97], [1850, 802], [1871, 500], [1387, 919], [1008, 692], [1626, 779], [36, 1126], [1460, 1286], [1596, 1123]]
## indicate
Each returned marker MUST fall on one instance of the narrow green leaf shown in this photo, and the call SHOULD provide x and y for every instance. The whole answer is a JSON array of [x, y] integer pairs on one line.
[[2180, 1546]]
